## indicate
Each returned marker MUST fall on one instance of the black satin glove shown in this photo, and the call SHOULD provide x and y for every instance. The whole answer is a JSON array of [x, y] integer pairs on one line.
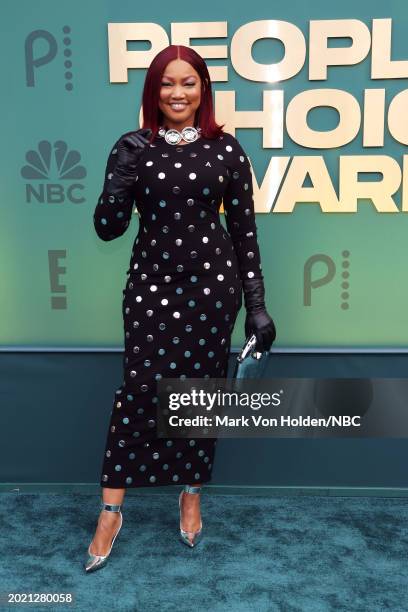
[[257, 319], [129, 149]]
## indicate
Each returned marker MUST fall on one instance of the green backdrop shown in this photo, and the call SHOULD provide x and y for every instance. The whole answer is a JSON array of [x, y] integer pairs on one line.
[[79, 304]]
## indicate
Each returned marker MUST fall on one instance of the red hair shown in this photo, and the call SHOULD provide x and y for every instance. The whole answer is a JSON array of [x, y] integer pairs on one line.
[[153, 116]]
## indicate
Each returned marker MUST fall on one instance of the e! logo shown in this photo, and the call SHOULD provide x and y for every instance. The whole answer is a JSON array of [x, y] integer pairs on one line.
[[313, 279], [58, 302]]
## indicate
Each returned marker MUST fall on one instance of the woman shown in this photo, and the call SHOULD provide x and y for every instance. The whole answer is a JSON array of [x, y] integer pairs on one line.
[[185, 280]]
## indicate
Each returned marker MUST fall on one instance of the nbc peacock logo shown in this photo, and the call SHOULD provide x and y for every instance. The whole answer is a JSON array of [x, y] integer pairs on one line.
[[53, 172]]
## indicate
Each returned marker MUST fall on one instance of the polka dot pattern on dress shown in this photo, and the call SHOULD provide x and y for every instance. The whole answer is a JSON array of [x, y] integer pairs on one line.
[[182, 295]]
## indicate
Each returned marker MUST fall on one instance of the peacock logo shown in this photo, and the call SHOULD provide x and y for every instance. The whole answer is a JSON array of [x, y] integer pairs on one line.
[[326, 271], [51, 163]]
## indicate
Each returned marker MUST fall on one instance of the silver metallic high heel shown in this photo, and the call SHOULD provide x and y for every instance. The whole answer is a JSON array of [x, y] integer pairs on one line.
[[196, 535], [95, 562]]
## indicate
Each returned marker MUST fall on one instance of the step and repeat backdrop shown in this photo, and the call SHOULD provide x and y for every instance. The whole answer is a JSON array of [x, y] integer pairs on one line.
[[317, 96]]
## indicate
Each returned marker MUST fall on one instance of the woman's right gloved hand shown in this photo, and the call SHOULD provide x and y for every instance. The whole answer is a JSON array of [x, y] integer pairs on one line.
[[127, 152]]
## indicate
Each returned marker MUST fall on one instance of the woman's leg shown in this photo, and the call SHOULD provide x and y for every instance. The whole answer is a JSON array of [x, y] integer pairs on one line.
[[108, 522], [190, 509]]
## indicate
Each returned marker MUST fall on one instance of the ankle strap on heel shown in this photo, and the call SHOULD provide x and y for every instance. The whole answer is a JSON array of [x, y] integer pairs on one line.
[[191, 489], [111, 507]]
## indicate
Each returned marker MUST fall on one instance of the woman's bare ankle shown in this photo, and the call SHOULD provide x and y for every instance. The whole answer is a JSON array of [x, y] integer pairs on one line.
[[113, 496]]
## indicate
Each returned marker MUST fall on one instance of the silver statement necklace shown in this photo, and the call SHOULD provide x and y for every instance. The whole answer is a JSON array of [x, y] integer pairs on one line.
[[173, 136]]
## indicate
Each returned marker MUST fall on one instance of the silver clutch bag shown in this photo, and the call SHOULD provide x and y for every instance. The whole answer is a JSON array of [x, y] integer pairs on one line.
[[250, 363]]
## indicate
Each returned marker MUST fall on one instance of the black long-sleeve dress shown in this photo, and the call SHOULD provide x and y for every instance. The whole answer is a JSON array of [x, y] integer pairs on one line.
[[182, 295]]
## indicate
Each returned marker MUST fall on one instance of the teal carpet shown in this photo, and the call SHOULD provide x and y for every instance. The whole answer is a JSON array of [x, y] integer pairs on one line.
[[257, 554]]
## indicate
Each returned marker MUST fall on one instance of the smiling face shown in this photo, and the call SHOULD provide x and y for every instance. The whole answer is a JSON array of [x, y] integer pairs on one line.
[[180, 84]]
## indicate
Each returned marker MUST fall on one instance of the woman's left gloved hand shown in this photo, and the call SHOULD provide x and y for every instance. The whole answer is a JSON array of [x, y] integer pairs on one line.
[[257, 320]]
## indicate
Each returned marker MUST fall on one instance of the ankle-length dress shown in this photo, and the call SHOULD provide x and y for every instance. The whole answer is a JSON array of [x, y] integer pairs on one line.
[[182, 295]]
